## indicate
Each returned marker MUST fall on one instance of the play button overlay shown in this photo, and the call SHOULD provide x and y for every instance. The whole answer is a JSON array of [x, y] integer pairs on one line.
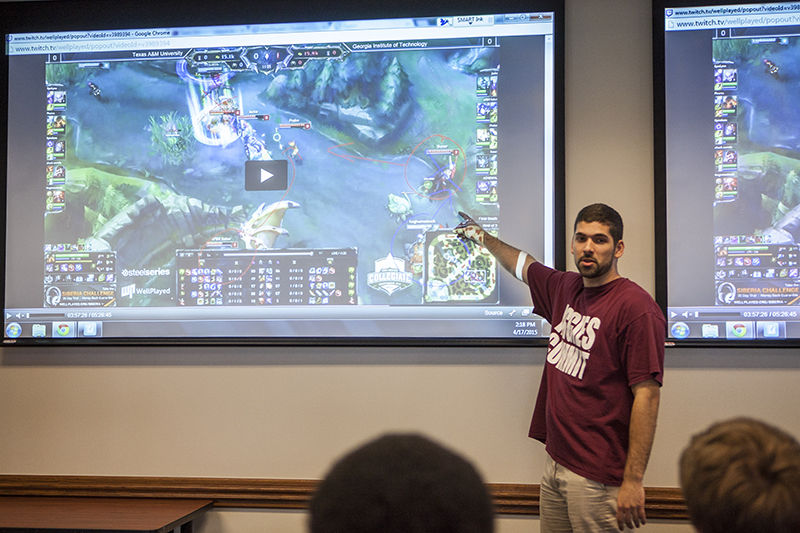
[[266, 175]]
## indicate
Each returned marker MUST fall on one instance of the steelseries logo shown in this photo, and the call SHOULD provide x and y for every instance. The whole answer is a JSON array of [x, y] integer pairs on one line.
[[570, 342]]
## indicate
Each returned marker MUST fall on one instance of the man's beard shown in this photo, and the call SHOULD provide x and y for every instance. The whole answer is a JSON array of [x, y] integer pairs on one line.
[[595, 270]]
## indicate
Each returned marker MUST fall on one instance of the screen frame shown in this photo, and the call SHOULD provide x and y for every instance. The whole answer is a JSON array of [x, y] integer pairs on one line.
[[661, 215], [39, 16]]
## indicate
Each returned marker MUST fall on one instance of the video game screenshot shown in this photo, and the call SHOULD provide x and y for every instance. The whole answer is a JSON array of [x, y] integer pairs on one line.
[[757, 180], [339, 176]]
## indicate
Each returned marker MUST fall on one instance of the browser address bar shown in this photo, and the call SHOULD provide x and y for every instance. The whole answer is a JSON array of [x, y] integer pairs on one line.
[[88, 46], [731, 21], [265, 39]]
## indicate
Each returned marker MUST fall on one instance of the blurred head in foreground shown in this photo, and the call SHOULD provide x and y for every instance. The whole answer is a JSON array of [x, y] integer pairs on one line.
[[742, 476], [402, 483]]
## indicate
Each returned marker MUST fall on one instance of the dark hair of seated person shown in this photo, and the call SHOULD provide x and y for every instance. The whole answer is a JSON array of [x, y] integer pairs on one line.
[[402, 483]]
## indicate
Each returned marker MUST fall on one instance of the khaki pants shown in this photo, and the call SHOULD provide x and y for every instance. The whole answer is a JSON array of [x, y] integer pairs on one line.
[[569, 503]]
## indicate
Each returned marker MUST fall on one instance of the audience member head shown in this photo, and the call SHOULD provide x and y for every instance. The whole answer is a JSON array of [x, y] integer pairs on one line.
[[402, 483], [742, 476]]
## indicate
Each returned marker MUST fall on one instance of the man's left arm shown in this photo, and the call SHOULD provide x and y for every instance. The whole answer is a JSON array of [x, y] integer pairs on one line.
[[630, 502]]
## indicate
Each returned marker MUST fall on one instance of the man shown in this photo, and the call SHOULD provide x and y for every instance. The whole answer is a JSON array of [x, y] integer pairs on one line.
[[402, 483], [740, 476], [598, 400]]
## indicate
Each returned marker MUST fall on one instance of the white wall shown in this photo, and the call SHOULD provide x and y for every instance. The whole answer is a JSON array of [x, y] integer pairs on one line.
[[287, 413]]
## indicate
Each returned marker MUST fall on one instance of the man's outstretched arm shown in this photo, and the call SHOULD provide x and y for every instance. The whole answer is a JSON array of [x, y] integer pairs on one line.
[[512, 259]]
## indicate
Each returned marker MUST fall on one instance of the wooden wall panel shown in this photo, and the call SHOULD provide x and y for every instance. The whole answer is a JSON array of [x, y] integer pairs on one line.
[[516, 499]]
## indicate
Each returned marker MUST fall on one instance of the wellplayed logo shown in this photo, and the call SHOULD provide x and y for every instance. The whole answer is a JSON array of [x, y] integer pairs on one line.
[[128, 290]]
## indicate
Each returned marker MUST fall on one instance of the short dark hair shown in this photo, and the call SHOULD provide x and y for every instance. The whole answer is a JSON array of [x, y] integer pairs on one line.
[[402, 483], [742, 475], [605, 215]]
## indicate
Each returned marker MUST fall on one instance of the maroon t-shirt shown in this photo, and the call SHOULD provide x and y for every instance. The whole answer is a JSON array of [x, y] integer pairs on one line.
[[603, 341]]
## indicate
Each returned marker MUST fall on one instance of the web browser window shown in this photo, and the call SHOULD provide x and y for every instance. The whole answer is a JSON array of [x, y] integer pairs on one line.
[[293, 180], [731, 74]]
